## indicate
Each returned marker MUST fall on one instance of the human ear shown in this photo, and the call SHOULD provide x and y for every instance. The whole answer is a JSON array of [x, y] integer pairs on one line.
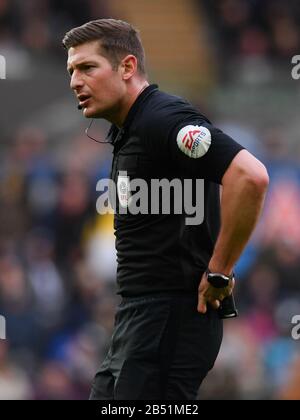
[[128, 66]]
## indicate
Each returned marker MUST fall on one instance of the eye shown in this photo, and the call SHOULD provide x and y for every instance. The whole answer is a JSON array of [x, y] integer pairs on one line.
[[88, 67]]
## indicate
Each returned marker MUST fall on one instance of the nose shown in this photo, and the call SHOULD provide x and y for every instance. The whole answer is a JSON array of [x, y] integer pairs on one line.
[[76, 81]]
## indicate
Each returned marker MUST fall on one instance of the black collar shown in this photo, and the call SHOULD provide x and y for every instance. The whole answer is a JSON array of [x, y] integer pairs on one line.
[[139, 100], [115, 133]]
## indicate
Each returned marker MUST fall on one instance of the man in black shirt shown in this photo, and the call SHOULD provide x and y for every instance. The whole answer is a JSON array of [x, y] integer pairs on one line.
[[173, 273]]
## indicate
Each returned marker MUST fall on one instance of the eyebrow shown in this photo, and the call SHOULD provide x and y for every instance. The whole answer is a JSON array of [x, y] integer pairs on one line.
[[80, 65]]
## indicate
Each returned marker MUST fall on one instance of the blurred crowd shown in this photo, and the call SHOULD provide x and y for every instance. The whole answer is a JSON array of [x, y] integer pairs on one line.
[[253, 36], [57, 256], [255, 27], [57, 268], [242, 27], [21, 21]]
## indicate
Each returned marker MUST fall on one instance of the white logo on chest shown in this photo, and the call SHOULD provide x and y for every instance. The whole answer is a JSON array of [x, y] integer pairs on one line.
[[123, 186]]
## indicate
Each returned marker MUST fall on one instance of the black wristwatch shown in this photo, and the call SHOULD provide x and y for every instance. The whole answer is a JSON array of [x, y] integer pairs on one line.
[[218, 280]]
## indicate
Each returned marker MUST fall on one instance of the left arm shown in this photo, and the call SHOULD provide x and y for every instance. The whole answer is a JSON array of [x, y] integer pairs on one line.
[[244, 187]]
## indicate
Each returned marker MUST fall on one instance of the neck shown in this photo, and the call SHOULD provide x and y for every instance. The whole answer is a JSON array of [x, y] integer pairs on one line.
[[133, 93]]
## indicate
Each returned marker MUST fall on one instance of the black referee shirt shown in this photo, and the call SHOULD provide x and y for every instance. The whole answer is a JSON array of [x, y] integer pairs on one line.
[[164, 137]]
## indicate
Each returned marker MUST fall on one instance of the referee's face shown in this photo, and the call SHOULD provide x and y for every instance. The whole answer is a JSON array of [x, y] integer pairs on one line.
[[100, 89]]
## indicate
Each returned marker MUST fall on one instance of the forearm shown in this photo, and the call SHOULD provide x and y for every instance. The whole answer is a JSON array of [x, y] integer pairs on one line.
[[241, 205]]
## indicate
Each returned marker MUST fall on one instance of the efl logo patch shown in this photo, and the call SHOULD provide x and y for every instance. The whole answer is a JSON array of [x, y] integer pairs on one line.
[[194, 140], [123, 186]]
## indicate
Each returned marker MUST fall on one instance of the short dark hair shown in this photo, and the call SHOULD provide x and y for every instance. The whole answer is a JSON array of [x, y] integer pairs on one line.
[[117, 38]]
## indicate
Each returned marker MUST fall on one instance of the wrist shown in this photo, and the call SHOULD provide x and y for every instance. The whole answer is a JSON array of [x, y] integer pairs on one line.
[[220, 268]]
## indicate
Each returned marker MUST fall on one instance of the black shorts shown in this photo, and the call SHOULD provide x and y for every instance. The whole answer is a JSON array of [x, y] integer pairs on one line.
[[161, 349]]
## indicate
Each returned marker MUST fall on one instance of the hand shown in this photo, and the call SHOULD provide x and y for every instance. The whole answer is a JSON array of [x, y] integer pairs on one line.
[[209, 294]]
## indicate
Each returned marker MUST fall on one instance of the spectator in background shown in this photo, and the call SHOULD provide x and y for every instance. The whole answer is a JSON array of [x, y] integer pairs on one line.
[[14, 381], [253, 34]]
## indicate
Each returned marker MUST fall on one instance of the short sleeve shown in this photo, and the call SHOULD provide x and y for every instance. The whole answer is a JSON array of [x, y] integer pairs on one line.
[[193, 146]]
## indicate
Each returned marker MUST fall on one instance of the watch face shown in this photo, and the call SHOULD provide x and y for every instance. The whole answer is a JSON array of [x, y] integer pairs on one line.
[[218, 281]]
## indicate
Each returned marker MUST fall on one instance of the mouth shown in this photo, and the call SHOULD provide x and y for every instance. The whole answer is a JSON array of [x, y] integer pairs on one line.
[[83, 100]]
